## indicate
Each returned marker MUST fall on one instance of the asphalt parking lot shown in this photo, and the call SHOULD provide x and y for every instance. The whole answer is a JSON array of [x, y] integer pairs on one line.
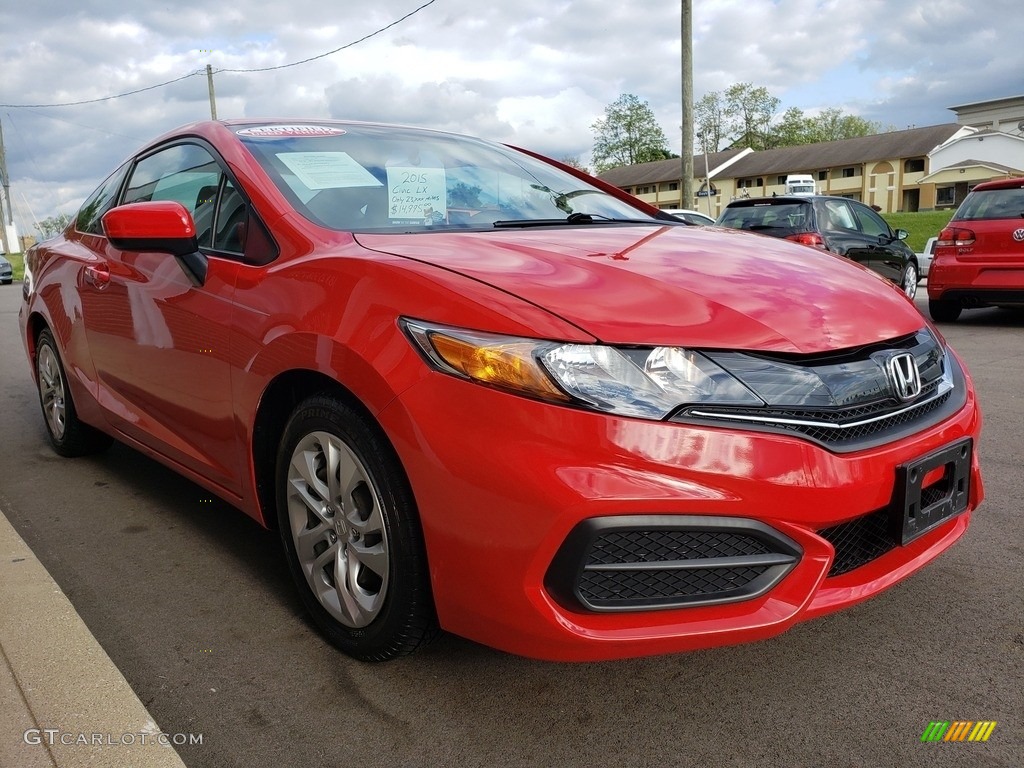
[[192, 601]]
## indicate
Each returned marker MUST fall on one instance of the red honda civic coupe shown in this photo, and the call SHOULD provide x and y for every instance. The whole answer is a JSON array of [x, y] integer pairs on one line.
[[477, 390]]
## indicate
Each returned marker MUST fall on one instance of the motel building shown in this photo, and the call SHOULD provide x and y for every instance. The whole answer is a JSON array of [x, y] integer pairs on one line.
[[917, 169]]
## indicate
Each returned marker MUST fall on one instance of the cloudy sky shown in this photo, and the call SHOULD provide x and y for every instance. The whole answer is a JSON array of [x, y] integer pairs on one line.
[[536, 73]]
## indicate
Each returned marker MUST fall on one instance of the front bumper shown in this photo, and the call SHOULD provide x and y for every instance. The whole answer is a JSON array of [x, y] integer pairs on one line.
[[503, 485]]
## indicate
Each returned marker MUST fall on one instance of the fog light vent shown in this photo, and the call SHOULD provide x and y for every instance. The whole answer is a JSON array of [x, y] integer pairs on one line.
[[652, 561]]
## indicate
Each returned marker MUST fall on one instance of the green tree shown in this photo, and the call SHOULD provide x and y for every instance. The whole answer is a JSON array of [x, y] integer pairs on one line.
[[53, 225], [709, 122], [749, 112], [627, 134], [573, 161], [832, 125], [746, 116], [791, 130]]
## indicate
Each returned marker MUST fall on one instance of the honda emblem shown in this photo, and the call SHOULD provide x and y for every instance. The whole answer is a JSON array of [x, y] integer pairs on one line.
[[905, 377]]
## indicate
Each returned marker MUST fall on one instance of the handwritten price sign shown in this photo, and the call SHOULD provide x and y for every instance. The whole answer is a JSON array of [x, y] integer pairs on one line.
[[417, 193]]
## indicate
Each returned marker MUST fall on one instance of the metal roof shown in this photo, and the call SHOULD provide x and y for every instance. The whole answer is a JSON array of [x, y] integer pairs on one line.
[[913, 142], [664, 170], [806, 158]]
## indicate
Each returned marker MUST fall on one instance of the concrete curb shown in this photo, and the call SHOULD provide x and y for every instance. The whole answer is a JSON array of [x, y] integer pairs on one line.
[[63, 702]]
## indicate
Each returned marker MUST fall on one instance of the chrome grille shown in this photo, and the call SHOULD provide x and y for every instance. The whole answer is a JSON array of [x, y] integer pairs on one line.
[[843, 400]]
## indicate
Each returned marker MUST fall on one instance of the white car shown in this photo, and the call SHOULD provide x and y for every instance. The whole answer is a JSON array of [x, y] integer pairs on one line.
[[690, 216], [924, 260]]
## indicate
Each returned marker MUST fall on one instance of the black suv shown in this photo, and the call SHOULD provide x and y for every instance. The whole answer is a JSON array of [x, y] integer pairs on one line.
[[836, 224]]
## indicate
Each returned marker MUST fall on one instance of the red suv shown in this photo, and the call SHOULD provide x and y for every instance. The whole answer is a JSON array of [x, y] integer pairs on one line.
[[979, 256]]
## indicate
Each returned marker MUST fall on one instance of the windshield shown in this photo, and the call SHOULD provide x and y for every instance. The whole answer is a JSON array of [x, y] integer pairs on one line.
[[770, 218], [359, 177]]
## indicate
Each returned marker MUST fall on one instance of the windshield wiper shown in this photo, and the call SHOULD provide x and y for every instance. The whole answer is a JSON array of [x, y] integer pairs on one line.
[[571, 219]]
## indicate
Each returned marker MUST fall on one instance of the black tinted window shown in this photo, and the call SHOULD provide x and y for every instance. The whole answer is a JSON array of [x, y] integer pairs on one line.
[[837, 215], [185, 173], [780, 216], [992, 204], [232, 214], [871, 223]]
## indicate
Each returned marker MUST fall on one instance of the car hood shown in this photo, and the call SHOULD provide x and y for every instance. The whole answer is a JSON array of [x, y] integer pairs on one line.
[[675, 285]]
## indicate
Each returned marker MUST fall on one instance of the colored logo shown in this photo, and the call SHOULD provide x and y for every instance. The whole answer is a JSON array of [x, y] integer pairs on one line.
[[959, 730]]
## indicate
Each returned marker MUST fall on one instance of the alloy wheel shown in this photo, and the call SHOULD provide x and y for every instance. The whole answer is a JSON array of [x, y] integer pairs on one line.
[[337, 526], [910, 281], [51, 391]]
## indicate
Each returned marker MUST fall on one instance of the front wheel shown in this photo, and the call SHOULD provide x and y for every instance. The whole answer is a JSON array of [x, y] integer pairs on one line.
[[351, 532], [910, 278], [944, 311]]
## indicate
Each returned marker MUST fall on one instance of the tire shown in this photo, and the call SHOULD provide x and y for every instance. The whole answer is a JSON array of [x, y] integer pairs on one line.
[[943, 311], [910, 278], [69, 436], [351, 532]]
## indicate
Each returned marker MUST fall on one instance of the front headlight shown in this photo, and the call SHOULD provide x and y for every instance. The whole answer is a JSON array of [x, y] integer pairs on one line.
[[644, 382]]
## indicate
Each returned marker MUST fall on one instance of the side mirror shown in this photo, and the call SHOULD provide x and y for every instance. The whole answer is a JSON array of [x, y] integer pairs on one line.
[[901, 234], [163, 226]]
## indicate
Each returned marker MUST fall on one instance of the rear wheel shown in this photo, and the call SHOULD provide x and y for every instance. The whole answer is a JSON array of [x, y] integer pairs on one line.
[[351, 532], [944, 311], [68, 435]]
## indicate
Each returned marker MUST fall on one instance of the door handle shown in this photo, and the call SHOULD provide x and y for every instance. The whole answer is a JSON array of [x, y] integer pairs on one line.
[[97, 276]]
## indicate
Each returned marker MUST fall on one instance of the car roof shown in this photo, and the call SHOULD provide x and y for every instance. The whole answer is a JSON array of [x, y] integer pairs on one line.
[[1011, 183], [777, 200]]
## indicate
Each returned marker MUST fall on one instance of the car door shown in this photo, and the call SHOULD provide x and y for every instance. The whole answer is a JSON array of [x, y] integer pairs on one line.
[[158, 341], [843, 234], [888, 254]]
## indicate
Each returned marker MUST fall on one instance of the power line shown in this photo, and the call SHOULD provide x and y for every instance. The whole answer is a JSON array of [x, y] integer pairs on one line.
[[203, 71], [102, 98], [336, 50], [79, 125]]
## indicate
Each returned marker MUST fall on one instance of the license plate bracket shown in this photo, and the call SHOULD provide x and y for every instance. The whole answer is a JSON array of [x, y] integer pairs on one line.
[[919, 509]]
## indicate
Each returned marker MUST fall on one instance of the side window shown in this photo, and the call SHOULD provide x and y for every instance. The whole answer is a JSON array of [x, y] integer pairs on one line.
[[99, 202], [871, 224], [839, 215], [185, 173], [231, 220]]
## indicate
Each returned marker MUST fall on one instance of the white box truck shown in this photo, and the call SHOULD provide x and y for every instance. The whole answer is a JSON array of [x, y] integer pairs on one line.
[[801, 185]]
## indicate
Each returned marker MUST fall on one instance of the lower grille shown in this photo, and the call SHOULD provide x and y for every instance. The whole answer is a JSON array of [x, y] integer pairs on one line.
[[859, 541], [637, 587], [650, 562]]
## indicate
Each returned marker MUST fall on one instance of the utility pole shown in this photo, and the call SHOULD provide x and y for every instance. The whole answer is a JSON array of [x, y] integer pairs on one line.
[[707, 172], [686, 151], [213, 97], [9, 218]]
